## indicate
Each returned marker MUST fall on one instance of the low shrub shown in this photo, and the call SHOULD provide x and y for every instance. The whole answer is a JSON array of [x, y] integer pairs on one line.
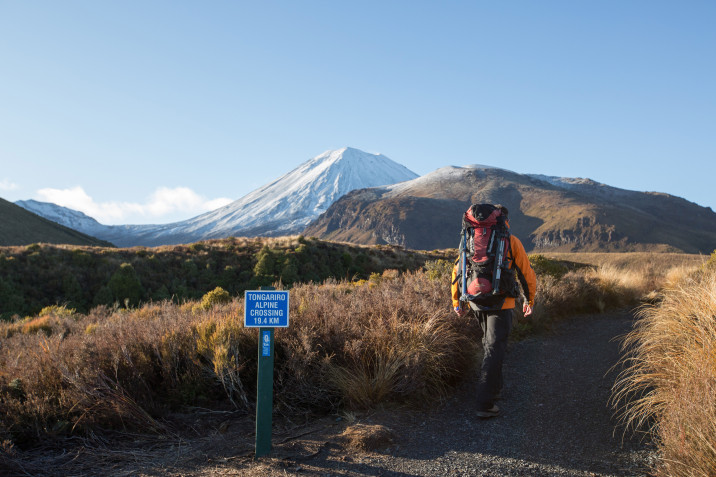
[[217, 296], [546, 266], [438, 269], [711, 262], [41, 324], [58, 310]]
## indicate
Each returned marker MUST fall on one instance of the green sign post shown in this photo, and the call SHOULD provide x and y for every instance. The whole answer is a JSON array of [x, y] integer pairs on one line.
[[264, 393], [265, 309]]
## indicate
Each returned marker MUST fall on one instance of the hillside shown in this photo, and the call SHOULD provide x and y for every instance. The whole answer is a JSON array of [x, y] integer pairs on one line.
[[546, 213], [21, 227], [36, 276]]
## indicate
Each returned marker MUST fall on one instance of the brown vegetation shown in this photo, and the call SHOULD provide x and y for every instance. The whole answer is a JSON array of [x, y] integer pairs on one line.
[[669, 385], [646, 263], [367, 437], [389, 338]]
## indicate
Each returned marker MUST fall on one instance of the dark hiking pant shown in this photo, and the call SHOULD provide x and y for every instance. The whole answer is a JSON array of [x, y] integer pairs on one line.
[[496, 326]]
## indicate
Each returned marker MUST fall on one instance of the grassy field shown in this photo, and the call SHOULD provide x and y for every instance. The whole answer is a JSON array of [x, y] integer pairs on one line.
[[353, 344], [645, 262]]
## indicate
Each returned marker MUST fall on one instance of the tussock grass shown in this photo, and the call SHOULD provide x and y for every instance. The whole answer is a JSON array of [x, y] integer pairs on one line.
[[579, 283], [391, 339], [596, 282], [669, 383], [580, 291], [644, 261]]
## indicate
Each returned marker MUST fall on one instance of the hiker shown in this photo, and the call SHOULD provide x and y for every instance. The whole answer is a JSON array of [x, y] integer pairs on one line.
[[491, 260]]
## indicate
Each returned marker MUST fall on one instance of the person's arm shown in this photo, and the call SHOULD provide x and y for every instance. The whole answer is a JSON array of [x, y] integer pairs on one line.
[[525, 273], [455, 291]]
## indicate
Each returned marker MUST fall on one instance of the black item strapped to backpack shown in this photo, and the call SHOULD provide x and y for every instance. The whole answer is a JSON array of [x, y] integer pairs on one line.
[[485, 275]]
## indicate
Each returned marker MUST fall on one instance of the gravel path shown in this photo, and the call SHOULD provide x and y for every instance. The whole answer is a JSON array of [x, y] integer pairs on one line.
[[555, 422]]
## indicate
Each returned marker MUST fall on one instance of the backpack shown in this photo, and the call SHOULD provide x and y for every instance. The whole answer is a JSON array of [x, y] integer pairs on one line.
[[484, 273]]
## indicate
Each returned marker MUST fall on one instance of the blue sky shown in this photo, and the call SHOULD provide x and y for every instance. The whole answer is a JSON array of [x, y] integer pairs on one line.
[[149, 112]]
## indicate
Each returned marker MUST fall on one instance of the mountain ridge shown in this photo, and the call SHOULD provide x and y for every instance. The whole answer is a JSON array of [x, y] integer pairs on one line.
[[547, 213], [325, 197], [23, 227]]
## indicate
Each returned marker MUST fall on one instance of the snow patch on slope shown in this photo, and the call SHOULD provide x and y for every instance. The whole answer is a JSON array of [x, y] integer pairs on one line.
[[73, 219], [566, 182]]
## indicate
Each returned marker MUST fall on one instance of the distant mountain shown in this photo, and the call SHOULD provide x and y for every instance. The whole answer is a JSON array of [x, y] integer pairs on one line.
[[73, 219], [283, 207], [546, 213], [121, 235], [21, 227]]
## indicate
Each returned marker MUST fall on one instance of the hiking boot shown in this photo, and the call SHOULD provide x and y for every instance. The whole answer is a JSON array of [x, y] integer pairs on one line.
[[486, 413]]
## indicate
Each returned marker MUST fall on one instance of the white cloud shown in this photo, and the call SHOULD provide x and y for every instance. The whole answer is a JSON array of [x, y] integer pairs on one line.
[[165, 204], [180, 199], [8, 185]]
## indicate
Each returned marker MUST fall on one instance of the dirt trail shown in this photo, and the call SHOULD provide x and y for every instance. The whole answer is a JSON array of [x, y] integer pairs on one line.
[[555, 422]]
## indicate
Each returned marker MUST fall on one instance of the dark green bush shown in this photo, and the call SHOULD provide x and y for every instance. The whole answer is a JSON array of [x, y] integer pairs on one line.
[[546, 266], [125, 285]]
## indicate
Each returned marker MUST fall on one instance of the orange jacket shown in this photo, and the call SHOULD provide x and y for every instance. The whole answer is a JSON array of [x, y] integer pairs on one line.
[[525, 274]]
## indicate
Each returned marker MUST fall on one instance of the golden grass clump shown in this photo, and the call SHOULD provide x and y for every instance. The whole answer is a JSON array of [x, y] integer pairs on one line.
[[669, 382], [402, 360], [225, 345], [394, 339], [367, 437], [598, 282], [580, 291], [45, 322], [391, 339]]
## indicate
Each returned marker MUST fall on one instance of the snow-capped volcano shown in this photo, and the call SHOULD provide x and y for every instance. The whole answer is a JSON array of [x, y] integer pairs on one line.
[[289, 203], [283, 207]]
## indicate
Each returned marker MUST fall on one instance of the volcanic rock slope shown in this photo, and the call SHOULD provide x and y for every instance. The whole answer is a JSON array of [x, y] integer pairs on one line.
[[546, 213]]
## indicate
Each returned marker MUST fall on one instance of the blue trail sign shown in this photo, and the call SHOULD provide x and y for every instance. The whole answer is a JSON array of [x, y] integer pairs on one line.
[[265, 309]]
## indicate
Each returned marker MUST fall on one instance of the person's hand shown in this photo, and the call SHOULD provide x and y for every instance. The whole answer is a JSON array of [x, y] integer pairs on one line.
[[460, 311], [527, 309]]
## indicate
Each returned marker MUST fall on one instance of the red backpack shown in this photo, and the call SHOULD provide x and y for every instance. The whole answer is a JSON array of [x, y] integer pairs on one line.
[[485, 273]]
